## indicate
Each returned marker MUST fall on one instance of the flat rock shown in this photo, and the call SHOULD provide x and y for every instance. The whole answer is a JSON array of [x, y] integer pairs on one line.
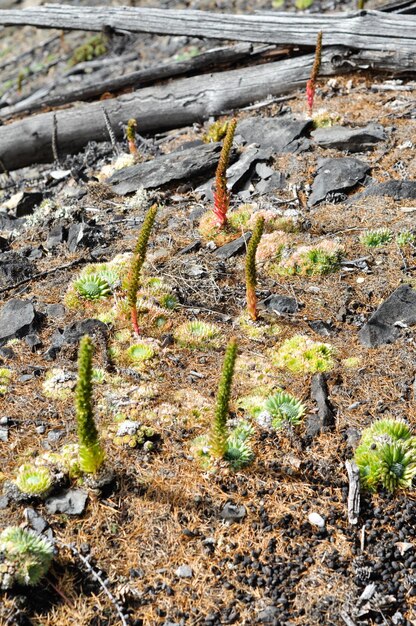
[[351, 139], [335, 175], [283, 134], [276, 181], [167, 168], [13, 268], [17, 319], [396, 189], [239, 171], [71, 502], [234, 247], [399, 310], [281, 305]]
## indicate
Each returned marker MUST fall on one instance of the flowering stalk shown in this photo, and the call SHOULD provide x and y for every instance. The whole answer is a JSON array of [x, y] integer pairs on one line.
[[219, 435], [221, 193], [139, 256], [91, 455], [251, 278], [311, 84], [131, 135]]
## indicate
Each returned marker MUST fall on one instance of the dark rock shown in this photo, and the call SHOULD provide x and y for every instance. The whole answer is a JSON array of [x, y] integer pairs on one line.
[[276, 181], [33, 341], [351, 139], [17, 319], [55, 311], [57, 235], [71, 502], [35, 253], [81, 235], [72, 335], [334, 175], [4, 429], [281, 305], [319, 393], [313, 426], [234, 247], [13, 268], [321, 328], [242, 169], [167, 168], [26, 203], [396, 189], [283, 134], [4, 244], [7, 353], [399, 310], [233, 512], [192, 247], [35, 521], [6, 222]]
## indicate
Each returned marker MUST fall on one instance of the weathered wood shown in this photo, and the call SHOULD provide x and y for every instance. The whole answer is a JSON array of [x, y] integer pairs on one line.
[[165, 107], [370, 30], [353, 492], [205, 61]]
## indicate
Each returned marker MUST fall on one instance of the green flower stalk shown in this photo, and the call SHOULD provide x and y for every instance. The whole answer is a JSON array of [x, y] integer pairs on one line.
[[221, 193], [24, 557], [91, 455], [311, 84], [219, 434], [139, 256], [131, 135], [251, 277]]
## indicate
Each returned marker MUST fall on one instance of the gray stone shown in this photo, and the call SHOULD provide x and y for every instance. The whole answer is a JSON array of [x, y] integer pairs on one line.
[[264, 171], [56, 236], [396, 189], [233, 512], [55, 311], [269, 615], [35, 520], [13, 268], [321, 328], [4, 502], [242, 169], [81, 235], [283, 134], [71, 502], [234, 247], [33, 341], [281, 305], [184, 571], [351, 139], [398, 311], [25, 203], [55, 435], [167, 168], [276, 181], [335, 175], [17, 319]]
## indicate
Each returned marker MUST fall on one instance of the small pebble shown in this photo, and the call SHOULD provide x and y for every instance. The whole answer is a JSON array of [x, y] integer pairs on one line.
[[184, 571], [316, 520]]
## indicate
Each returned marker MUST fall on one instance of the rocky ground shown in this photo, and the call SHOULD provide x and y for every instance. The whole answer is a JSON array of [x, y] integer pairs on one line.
[[270, 543]]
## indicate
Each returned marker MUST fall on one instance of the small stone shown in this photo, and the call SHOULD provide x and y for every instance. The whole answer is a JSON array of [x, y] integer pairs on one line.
[[71, 502], [234, 247], [316, 520], [184, 571], [4, 502], [351, 139], [55, 311], [35, 520], [33, 341], [336, 175], [55, 435], [398, 311], [281, 305], [4, 429], [233, 512]]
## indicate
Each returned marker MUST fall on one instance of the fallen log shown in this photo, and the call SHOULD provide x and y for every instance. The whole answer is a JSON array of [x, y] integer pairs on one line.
[[205, 61], [164, 107], [369, 30]]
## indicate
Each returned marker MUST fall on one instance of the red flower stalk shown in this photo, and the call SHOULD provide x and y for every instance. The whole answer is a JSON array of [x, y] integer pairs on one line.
[[311, 84], [221, 193]]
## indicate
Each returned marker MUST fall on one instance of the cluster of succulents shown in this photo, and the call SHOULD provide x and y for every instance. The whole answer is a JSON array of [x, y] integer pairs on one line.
[[198, 335], [405, 238], [132, 434], [376, 238], [34, 480], [25, 557], [316, 259], [300, 354], [95, 46], [386, 455], [237, 453], [5, 378], [97, 282], [273, 410]]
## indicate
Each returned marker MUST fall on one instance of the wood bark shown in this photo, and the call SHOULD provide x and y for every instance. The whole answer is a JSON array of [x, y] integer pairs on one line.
[[369, 30], [164, 107], [203, 62]]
